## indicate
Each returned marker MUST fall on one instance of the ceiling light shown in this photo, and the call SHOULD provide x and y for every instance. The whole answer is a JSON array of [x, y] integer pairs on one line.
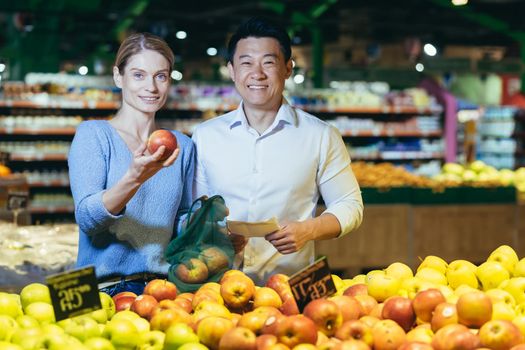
[[430, 49], [2, 67], [211, 51], [459, 2], [181, 34], [83, 70], [298, 78], [420, 67], [176, 75]]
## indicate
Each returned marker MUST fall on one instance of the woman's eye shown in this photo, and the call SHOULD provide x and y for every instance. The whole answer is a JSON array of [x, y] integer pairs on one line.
[[137, 75]]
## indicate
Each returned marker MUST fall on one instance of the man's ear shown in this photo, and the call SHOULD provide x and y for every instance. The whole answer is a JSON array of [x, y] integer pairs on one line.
[[289, 68], [232, 73], [117, 78]]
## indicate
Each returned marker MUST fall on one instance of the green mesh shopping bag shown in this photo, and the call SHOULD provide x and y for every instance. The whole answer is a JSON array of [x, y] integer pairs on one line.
[[202, 252]]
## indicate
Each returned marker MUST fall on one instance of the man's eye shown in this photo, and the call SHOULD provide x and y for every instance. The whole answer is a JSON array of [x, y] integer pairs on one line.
[[162, 77], [245, 63]]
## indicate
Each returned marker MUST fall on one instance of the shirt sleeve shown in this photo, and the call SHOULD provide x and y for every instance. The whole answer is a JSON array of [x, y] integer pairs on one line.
[[187, 194], [200, 183], [337, 183], [87, 176]]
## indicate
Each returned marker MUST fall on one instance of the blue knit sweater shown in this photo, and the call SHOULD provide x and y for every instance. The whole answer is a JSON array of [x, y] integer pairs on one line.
[[135, 240]]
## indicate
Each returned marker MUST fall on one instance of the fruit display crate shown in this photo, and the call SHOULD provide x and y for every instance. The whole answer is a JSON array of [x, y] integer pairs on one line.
[[449, 195]]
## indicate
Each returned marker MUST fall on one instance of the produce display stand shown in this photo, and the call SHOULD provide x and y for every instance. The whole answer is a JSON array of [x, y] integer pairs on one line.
[[411, 223]]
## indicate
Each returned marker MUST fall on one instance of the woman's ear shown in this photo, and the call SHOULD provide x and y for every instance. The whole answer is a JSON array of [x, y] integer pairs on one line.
[[117, 78]]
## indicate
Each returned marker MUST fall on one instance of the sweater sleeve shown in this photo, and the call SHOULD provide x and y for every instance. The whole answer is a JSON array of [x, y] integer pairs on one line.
[[187, 190], [88, 176]]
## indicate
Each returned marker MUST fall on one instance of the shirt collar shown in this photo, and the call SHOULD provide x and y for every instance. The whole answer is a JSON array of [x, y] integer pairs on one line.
[[286, 114]]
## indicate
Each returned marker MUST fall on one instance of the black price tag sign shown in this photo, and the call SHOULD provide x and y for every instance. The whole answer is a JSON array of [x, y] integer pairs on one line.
[[17, 200], [312, 282], [74, 293]]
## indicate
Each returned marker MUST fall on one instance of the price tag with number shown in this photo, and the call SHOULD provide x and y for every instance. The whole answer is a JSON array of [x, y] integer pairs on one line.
[[312, 282], [74, 293]]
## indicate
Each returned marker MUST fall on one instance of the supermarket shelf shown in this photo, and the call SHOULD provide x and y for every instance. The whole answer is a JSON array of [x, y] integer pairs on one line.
[[389, 133], [55, 183], [374, 110], [61, 104], [37, 157], [50, 209], [30, 131], [401, 155]]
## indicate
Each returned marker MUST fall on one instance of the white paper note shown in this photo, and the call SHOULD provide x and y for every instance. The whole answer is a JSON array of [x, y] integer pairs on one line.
[[253, 229]]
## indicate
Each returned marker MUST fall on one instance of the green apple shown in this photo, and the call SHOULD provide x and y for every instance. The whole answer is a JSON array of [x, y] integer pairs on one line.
[[519, 269], [193, 346], [9, 305], [142, 324], [99, 343], [34, 292], [433, 262], [381, 286], [122, 333], [107, 304], [399, 270], [54, 341], [461, 272], [26, 321], [491, 274], [82, 328], [125, 314], [100, 316], [179, 334], [52, 328], [151, 340], [41, 311], [516, 287], [432, 275], [8, 326], [506, 256], [28, 338], [9, 346]]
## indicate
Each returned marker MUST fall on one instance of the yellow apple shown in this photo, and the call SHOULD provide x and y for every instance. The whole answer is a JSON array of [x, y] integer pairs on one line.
[[502, 311], [361, 278], [422, 333], [461, 272], [506, 256], [516, 287], [399, 270], [519, 269], [381, 286], [338, 282], [519, 321], [413, 285], [500, 295], [491, 274], [520, 309], [462, 289], [432, 275], [447, 291], [434, 262]]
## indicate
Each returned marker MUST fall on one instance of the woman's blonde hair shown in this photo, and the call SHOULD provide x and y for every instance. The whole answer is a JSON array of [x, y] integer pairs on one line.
[[137, 42]]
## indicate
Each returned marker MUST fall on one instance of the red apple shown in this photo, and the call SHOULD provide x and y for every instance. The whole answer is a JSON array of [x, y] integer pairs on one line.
[[370, 321], [367, 302], [454, 337], [355, 329], [296, 329], [500, 335], [254, 321], [350, 308], [474, 309], [186, 295], [351, 344], [325, 314], [414, 345], [192, 270], [123, 300], [161, 289], [518, 347], [272, 323], [388, 335], [265, 340], [143, 305], [164, 138], [237, 291], [265, 296], [444, 314], [356, 289], [399, 309], [279, 283], [165, 318], [205, 294], [425, 302], [238, 338], [215, 259]]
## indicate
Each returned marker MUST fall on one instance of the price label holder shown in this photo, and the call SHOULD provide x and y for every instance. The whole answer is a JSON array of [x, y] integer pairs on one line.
[[74, 293], [17, 200], [312, 282]]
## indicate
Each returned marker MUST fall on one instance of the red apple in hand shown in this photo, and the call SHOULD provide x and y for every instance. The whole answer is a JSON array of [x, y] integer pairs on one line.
[[192, 270], [425, 302], [161, 289], [399, 309], [164, 138], [325, 314]]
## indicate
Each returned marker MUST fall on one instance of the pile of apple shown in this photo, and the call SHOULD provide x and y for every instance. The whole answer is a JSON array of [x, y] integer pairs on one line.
[[442, 306]]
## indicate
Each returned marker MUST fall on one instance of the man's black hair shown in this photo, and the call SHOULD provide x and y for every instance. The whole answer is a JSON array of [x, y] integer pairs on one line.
[[258, 27]]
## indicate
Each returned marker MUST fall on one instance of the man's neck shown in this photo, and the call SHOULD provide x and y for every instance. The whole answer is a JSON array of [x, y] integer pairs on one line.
[[260, 119]]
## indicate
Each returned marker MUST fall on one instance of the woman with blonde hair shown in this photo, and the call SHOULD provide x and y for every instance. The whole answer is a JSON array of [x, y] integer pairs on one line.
[[128, 202]]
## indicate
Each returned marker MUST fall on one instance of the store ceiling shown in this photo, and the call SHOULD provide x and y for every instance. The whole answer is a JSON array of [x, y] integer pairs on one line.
[[75, 29]]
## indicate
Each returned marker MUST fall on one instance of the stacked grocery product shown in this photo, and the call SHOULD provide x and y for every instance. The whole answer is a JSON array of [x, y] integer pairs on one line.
[[439, 305]]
